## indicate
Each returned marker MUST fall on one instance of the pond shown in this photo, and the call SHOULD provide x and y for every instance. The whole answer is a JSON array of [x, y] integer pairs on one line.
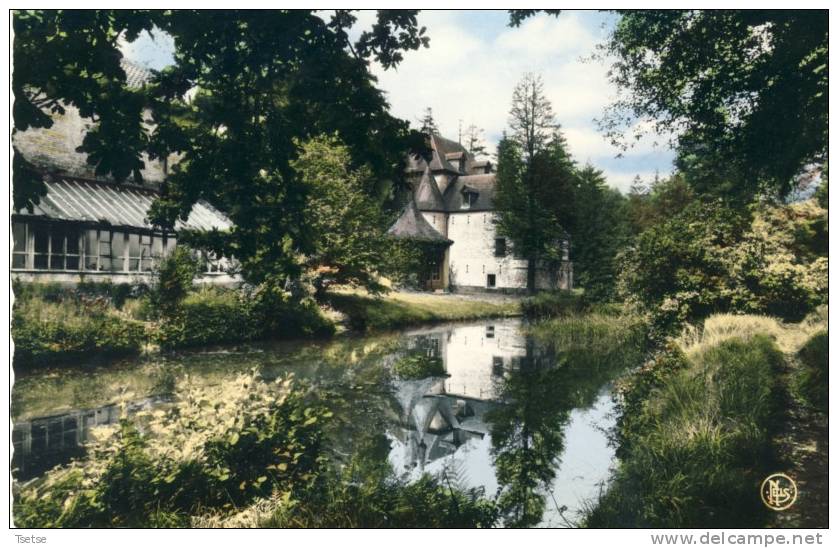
[[503, 411]]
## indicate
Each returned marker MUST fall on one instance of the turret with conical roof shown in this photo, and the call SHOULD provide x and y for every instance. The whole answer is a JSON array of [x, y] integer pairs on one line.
[[411, 225], [428, 196]]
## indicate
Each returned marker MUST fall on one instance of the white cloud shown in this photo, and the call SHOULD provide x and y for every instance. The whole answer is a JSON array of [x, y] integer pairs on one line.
[[586, 144], [152, 50], [468, 75], [473, 63], [547, 36]]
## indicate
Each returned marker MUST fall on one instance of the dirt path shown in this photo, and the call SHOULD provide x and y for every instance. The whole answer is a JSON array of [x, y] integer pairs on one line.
[[802, 446]]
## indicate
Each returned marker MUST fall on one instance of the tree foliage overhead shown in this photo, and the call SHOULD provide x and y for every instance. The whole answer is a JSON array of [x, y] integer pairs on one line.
[[744, 89], [71, 58], [265, 79], [244, 87]]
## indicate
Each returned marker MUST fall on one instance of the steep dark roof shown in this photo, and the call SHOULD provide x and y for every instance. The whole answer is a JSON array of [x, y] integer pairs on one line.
[[411, 225], [474, 178], [443, 152], [427, 194], [483, 185], [442, 147], [477, 167], [447, 146]]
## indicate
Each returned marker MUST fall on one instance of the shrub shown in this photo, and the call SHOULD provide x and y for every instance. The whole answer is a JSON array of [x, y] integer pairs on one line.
[[710, 258], [281, 315], [206, 317], [51, 332], [221, 447], [173, 280], [116, 294], [105, 292], [811, 381], [211, 316]]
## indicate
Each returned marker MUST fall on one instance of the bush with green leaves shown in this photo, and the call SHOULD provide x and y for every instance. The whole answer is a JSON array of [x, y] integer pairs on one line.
[[213, 315], [280, 314], [46, 333], [173, 279], [220, 448], [710, 258], [205, 317]]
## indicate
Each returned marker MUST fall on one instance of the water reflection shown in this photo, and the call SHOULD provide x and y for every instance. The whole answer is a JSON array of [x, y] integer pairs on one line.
[[42, 443], [519, 420]]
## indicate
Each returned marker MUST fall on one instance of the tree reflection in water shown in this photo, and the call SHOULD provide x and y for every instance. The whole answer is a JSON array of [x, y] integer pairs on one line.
[[538, 394]]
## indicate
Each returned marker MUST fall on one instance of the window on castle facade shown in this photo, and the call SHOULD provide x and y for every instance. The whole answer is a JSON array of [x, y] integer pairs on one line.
[[469, 200]]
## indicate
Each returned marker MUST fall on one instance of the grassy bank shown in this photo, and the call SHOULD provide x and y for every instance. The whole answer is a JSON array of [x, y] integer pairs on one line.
[[48, 327], [367, 313], [55, 325], [696, 426]]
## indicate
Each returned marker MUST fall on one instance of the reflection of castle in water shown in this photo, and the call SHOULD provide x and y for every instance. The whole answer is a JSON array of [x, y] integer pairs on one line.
[[439, 415]]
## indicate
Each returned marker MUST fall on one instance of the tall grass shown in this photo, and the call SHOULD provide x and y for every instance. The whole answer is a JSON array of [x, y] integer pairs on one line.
[[47, 332], [790, 337], [701, 444], [596, 339], [549, 304]]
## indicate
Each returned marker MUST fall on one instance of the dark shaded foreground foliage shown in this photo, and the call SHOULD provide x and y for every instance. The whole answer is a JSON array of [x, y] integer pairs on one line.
[[366, 493], [811, 380]]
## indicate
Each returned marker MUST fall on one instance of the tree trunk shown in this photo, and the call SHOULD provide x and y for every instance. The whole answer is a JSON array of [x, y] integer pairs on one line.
[[531, 275]]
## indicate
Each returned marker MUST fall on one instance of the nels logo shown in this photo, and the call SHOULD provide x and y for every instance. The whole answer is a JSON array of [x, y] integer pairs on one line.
[[778, 492]]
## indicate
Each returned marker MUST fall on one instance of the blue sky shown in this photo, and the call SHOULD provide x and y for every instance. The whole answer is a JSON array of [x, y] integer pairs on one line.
[[470, 69]]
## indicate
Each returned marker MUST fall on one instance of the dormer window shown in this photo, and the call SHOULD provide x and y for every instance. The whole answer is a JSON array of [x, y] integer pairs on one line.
[[469, 199]]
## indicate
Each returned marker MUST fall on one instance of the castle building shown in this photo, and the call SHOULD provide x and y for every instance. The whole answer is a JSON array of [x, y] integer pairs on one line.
[[452, 211], [90, 228]]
